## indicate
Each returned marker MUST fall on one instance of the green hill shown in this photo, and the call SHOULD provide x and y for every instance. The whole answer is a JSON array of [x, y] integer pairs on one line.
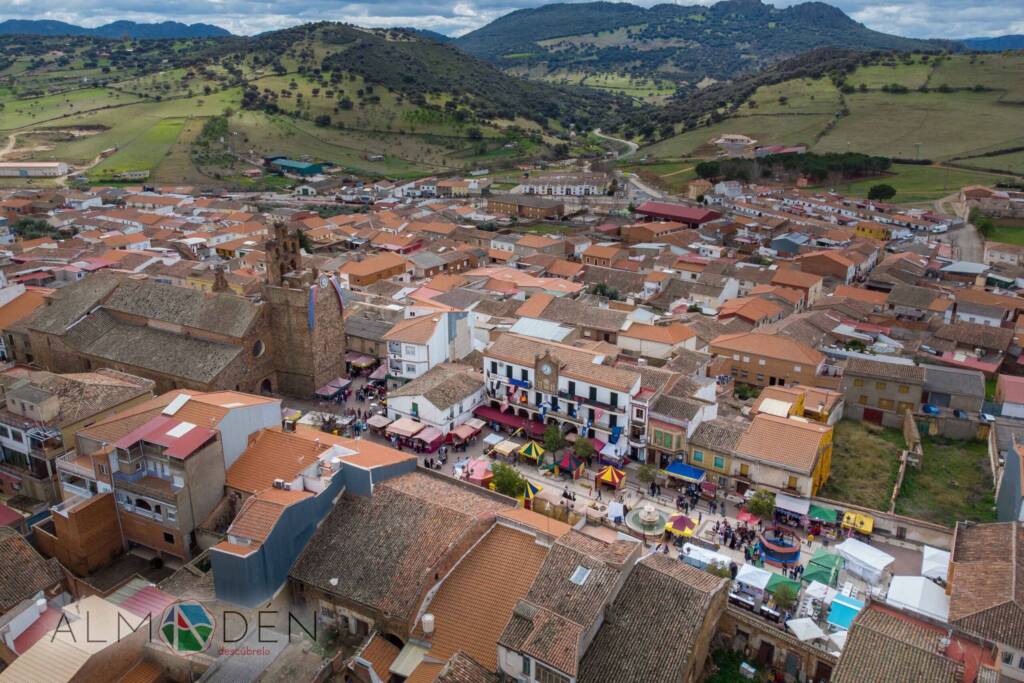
[[683, 44], [382, 102]]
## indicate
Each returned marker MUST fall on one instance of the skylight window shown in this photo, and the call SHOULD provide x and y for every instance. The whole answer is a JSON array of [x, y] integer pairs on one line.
[[579, 576]]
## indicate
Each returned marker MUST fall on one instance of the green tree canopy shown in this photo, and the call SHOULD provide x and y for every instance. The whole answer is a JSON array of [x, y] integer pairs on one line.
[[507, 480], [762, 504], [881, 191], [553, 439]]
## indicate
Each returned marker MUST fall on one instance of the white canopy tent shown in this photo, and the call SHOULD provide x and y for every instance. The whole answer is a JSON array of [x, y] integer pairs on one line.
[[918, 594], [797, 506], [863, 560], [702, 557], [805, 629], [935, 563], [754, 577], [839, 638], [616, 511], [820, 591]]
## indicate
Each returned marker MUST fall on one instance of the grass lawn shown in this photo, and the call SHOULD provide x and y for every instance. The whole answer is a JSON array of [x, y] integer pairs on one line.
[[954, 483], [785, 129], [865, 463], [875, 76], [673, 176], [1007, 230], [921, 183], [1012, 162]]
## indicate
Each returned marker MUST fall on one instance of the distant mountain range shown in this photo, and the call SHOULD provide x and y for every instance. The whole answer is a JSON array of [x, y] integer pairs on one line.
[[675, 42], [996, 44], [117, 29]]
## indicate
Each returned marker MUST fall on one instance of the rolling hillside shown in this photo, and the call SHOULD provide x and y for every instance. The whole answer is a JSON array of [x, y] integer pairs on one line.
[[377, 102], [683, 44], [114, 30]]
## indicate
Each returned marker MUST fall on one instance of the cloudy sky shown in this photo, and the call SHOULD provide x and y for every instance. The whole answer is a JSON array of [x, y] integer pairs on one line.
[[914, 18]]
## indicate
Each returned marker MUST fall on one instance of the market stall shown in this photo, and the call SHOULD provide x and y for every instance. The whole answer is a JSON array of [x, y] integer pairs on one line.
[[359, 361], [378, 423], [702, 558], [404, 428], [334, 389], [805, 629], [864, 561], [532, 451], [610, 455], [778, 580], [748, 518], [918, 594], [462, 433], [505, 449], [610, 476], [530, 492], [823, 567], [379, 375], [858, 523], [934, 563], [843, 611], [677, 469], [571, 465], [680, 525], [791, 510], [479, 472], [780, 546], [430, 438], [750, 586]]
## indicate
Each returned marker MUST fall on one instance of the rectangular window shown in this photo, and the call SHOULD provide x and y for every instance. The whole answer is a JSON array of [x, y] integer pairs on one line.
[[880, 386], [613, 400], [858, 382], [168, 537], [698, 457], [524, 375], [863, 400], [102, 468], [719, 462], [760, 377], [3, 432], [904, 389], [593, 393], [172, 514], [572, 388], [791, 483], [760, 361], [885, 403], [746, 359], [526, 665], [797, 368], [744, 470], [16, 436], [410, 350], [494, 366], [415, 408]]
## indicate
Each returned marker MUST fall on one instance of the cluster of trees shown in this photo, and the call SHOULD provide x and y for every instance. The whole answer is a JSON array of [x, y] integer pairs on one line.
[[817, 167]]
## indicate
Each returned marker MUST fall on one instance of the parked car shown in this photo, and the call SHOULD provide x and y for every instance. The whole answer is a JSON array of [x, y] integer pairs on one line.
[[929, 409], [987, 417], [960, 414]]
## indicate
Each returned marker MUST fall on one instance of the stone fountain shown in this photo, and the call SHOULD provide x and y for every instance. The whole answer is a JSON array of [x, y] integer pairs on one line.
[[646, 519]]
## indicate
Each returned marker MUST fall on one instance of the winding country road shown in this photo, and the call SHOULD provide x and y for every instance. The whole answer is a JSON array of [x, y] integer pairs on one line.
[[631, 146]]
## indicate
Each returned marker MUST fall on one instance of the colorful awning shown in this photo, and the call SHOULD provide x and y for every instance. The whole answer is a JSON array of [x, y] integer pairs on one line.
[[531, 490], [680, 525], [827, 515], [531, 427], [532, 450], [405, 427], [611, 476], [680, 470]]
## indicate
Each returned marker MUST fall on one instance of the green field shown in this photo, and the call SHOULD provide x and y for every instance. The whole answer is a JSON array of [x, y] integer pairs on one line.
[[144, 152], [915, 183], [771, 129], [954, 483], [1012, 162], [911, 76], [1008, 231], [673, 176], [21, 113]]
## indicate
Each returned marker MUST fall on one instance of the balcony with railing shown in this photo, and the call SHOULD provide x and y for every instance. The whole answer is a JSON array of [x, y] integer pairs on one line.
[[73, 463], [77, 486], [65, 507]]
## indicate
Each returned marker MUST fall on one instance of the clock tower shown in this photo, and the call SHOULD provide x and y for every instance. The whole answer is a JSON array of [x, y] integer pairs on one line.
[[545, 370]]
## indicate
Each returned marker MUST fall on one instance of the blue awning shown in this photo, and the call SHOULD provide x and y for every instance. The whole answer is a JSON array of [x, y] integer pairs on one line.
[[616, 432], [843, 611], [522, 383], [681, 470]]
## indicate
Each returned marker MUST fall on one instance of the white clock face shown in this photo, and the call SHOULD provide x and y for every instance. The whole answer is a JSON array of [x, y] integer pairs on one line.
[[324, 281], [546, 368]]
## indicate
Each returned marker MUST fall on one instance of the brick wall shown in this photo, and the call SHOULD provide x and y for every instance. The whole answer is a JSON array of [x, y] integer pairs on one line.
[[87, 539]]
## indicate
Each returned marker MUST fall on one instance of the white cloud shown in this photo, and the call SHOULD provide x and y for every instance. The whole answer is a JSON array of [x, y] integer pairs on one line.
[[914, 18]]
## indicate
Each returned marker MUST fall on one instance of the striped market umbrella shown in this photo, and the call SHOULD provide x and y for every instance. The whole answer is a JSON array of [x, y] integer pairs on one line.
[[532, 450], [531, 490], [680, 525], [612, 476]]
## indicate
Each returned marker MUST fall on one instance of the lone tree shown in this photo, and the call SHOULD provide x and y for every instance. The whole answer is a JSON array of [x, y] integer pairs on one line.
[[507, 480], [881, 191], [553, 439], [584, 449], [785, 596], [647, 473], [762, 504]]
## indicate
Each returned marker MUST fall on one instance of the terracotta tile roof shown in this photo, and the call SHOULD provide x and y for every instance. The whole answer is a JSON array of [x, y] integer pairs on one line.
[[861, 294], [718, 435], [769, 346], [536, 521], [260, 513], [146, 671], [563, 268], [536, 241], [754, 309], [119, 425], [443, 385], [272, 454], [23, 571], [374, 264], [883, 648], [575, 363], [674, 333], [661, 596], [603, 252], [380, 654], [384, 548], [987, 579], [469, 614], [865, 367], [974, 334], [416, 330], [535, 305], [446, 282], [461, 668], [1010, 388], [20, 307], [788, 277], [792, 444]]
